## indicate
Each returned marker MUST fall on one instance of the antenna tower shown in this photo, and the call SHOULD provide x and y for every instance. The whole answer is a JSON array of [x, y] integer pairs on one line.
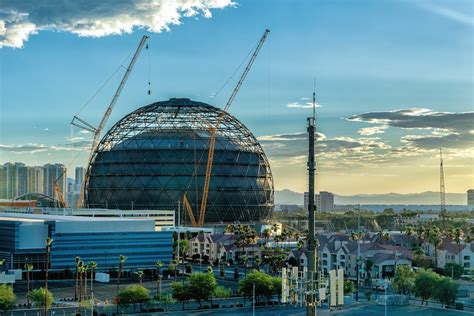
[[442, 191]]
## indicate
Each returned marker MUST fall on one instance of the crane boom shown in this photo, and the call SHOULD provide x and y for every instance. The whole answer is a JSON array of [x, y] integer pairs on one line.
[[97, 131], [189, 210], [212, 129]]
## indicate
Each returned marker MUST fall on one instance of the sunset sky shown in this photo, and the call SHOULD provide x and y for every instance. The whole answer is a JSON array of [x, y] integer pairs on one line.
[[394, 81]]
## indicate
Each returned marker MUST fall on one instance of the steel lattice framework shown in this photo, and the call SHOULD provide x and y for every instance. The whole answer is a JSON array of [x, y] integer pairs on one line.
[[154, 155]]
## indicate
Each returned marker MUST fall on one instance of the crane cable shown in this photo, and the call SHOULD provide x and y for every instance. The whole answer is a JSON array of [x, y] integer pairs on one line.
[[104, 84], [233, 74]]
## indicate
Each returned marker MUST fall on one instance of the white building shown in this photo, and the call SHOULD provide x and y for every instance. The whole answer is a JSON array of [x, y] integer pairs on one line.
[[324, 201], [470, 199], [56, 172]]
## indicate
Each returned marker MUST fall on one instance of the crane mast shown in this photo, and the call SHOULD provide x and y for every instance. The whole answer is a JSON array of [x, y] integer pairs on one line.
[[76, 121], [212, 138]]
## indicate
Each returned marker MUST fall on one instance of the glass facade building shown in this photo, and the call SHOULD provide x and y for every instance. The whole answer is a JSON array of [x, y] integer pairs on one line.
[[156, 154]]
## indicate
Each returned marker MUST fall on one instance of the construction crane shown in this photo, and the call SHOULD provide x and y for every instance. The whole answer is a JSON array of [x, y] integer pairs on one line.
[[78, 122], [212, 139], [442, 191], [58, 193]]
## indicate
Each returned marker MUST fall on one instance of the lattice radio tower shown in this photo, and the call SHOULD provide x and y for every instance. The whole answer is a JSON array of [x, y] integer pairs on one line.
[[442, 191]]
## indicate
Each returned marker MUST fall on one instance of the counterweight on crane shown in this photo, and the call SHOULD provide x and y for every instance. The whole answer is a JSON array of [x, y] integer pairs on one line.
[[212, 139], [76, 121]]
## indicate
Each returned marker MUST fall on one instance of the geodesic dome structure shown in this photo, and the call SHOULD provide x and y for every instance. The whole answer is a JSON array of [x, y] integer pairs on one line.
[[154, 155]]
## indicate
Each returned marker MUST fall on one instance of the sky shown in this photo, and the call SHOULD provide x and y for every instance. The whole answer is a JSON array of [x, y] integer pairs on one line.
[[393, 81]]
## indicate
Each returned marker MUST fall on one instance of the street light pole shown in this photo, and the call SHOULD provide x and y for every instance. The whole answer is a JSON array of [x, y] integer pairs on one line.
[[253, 310]]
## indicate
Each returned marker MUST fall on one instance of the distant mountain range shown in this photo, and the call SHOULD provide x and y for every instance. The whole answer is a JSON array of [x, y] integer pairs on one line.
[[290, 197]]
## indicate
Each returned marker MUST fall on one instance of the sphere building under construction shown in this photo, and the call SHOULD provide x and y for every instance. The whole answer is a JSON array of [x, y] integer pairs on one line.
[[156, 154]]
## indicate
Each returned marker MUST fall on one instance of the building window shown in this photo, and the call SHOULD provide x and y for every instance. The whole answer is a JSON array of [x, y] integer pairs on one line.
[[343, 257], [467, 257], [325, 255]]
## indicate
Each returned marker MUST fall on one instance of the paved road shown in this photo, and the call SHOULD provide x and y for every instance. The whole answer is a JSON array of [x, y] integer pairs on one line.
[[353, 310]]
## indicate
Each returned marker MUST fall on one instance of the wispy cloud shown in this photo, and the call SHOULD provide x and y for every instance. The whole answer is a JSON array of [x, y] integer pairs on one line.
[[368, 131], [302, 105], [448, 13], [20, 19]]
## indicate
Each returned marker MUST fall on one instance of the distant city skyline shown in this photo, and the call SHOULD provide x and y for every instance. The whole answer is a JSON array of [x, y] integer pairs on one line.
[[389, 94]]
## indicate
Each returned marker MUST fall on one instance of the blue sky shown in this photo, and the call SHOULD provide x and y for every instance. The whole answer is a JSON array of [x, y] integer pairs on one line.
[[366, 56]]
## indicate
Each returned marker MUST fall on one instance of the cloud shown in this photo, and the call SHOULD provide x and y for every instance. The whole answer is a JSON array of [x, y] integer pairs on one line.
[[302, 105], [448, 13], [20, 19], [368, 131], [462, 140], [289, 137], [31, 148], [447, 129], [416, 118]]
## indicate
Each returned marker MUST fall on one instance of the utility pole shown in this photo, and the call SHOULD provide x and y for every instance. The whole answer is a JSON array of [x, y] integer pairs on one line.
[[311, 298], [178, 246], [358, 252]]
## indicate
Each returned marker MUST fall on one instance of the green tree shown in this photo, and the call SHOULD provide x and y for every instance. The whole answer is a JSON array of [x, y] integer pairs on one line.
[[180, 292], [133, 294], [276, 287], [445, 291], [425, 284], [404, 279], [7, 298], [263, 285], [202, 286], [40, 296], [349, 286], [453, 270], [222, 292]]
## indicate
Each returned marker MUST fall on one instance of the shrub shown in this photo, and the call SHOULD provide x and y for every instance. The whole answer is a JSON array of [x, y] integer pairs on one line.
[[38, 297], [7, 298], [133, 294]]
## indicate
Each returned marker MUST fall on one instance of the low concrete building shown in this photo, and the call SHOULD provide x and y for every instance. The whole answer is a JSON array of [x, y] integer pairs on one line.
[[22, 239]]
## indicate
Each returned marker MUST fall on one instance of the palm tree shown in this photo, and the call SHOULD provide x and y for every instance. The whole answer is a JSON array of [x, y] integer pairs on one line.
[[28, 267], [258, 262], [409, 231], [78, 259], [92, 266], [419, 254], [81, 271], [49, 242], [122, 260], [368, 268], [140, 274], [420, 233], [86, 269], [457, 235], [158, 265], [434, 236], [245, 259], [183, 248]]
